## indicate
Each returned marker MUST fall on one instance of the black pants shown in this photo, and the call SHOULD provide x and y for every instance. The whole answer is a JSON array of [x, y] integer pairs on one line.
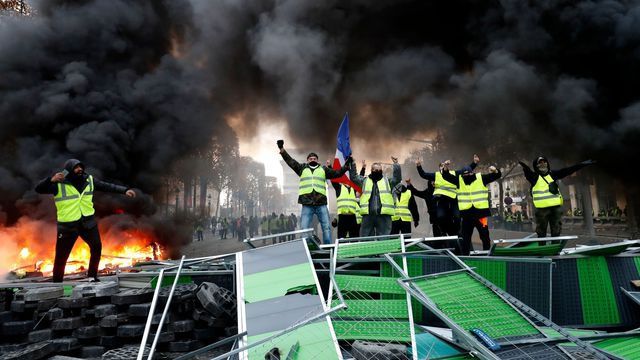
[[468, 224], [67, 237], [401, 227], [347, 226], [200, 235], [447, 215], [549, 216]]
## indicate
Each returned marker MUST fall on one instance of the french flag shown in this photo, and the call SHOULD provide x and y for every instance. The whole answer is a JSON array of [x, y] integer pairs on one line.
[[343, 151]]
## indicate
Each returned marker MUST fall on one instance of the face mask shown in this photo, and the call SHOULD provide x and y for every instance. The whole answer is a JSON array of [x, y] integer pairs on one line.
[[376, 175], [313, 163]]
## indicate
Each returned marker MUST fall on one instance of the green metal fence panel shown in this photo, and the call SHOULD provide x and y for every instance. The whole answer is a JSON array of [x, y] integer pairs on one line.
[[473, 306], [375, 309], [414, 268], [373, 330], [494, 271], [368, 248], [371, 284], [626, 348], [599, 305]]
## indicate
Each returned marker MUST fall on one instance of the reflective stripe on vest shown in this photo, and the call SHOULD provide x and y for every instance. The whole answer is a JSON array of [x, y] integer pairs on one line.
[[542, 197], [402, 208], [443, 187], [475, 194], [72, 205], [312, 180], [386, 199], [346, 202]]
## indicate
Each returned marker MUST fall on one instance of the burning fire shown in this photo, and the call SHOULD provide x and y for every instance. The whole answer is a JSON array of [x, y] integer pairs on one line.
[[30, 246]]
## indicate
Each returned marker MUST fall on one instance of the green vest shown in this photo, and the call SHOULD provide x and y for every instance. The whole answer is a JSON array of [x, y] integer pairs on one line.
[[542, 197], [386, 199], [346, 202], [358, 215], [311, 180], [443, 187], [72, 205], [402, 208], [475, 194]]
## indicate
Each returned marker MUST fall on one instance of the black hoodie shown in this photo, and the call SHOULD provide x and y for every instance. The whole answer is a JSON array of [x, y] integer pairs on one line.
[[532, 175]]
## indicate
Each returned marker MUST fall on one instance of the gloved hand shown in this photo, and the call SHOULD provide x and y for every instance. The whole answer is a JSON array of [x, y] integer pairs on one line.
[[280, 144], [349, 160], [416, 223], [588, 162]]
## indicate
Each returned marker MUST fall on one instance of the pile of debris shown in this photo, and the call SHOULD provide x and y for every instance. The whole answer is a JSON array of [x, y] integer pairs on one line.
[[102, 320]]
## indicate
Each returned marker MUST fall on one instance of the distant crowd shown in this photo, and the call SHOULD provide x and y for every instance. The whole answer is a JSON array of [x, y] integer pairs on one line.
[[245, 227]]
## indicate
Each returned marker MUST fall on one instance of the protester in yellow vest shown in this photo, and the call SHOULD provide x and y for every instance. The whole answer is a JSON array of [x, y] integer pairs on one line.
[[347, 208], [406, 211], [473, 202], [72, 191], [312, 190], [444, 196], [376, 200], [545, 192]]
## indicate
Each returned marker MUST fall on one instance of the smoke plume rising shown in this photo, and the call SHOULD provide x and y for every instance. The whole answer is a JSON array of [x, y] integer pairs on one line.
[[132, 87]]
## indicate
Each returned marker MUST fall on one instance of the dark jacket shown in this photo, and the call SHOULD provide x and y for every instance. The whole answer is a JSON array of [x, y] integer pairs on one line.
[[46, 186], [532, 175], [486, 179], [314, 198], [427, 195], [375, 204]]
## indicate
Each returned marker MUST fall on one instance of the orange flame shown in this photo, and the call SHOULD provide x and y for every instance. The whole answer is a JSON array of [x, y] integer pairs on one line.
[[30, 246]]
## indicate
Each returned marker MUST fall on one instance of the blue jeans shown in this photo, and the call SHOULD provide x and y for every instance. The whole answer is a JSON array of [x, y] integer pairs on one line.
[[323, 217]]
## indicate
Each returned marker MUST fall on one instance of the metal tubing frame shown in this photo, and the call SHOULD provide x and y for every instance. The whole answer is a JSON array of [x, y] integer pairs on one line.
[[210, 347], [525, 240], [147, 327], [433, 275], [515, 304], [164, 312], [468, 339], [265, 237]]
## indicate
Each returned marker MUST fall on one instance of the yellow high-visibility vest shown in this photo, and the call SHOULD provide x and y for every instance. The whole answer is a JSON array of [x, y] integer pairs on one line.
[[475, 194], [311, 180], [443, 187], [386, 199], [402, 208], [358, 215], [542, 197], [346, 202], [72, 205]]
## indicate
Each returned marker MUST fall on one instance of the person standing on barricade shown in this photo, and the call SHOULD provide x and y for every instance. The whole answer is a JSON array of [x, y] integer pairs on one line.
[[312, 191]]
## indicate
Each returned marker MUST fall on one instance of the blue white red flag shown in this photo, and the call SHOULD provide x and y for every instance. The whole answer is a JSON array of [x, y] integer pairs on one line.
[[343, 151]]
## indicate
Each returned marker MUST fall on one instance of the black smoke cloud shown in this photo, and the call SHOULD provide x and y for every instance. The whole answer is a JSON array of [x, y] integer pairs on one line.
[[131, 87], [509, 77], [101, 81]]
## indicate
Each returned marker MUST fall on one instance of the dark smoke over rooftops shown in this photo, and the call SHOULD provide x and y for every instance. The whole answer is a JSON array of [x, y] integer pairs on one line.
[[131, 87]]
